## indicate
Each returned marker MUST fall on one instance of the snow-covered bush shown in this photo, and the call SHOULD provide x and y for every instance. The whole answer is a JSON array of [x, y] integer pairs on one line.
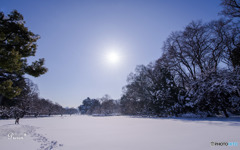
[[16, 112], [4, 112], [216, 93], [194, 115], [11, 112]]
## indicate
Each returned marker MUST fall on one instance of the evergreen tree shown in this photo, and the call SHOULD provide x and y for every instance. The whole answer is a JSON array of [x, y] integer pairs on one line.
[[17, 43]]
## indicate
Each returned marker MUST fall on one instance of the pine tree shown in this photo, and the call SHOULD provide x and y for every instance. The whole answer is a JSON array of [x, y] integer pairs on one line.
[[17, 43]]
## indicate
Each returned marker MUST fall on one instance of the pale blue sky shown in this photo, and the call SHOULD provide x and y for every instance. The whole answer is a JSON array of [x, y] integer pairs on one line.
[[76, 35]]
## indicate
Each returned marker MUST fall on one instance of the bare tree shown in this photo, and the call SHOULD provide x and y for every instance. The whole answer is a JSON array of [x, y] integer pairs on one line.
[[231, 8], [199, 49]]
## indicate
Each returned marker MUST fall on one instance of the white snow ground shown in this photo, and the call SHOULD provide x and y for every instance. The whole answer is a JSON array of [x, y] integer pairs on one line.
[[117, 133]]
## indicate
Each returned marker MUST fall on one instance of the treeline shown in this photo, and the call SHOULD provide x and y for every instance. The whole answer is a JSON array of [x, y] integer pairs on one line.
[[28, 103], [102, 106], [198, 73]]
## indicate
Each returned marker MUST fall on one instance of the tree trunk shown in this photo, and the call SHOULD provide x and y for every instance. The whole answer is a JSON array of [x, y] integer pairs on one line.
[[225, 113], [1, 97]]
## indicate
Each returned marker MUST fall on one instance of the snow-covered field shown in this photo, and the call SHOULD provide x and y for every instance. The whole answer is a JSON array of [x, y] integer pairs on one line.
[[117, 133]]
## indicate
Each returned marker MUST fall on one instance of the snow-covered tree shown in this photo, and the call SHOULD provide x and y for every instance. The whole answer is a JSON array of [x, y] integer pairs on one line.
[[216, 93], [89, 106], [151, 90], [71, 111]]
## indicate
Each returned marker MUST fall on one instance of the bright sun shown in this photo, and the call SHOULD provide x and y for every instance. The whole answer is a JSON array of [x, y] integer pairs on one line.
[[113, 57]]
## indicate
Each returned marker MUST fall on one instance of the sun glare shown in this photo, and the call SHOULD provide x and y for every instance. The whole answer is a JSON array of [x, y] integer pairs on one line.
[[113, 57]]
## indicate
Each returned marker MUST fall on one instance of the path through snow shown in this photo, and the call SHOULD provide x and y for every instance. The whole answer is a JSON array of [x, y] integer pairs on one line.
[[24, 137]]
